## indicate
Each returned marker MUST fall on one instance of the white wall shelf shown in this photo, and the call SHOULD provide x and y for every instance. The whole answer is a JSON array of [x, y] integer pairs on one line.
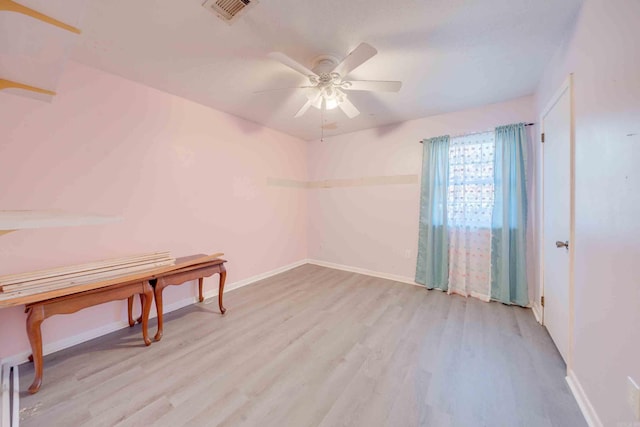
[[24, 219]]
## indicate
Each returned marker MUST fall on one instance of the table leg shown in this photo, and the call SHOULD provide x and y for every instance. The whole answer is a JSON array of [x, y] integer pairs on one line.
[[200, 283], [34, 320], [130, 309], [141, 310], [223, 278], [157, 292], [146, 299]]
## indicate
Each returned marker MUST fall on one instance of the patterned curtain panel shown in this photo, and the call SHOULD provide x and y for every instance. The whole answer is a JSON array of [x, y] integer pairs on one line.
[[432, 269], [509, 218], [473, 209], [469, 207]]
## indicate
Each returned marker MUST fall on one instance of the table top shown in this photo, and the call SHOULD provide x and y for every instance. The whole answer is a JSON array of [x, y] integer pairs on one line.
[[30, 296]]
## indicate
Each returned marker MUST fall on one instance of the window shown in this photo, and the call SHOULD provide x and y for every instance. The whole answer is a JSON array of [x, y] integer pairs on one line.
[[479, 252], [470, 193], [469, 210]]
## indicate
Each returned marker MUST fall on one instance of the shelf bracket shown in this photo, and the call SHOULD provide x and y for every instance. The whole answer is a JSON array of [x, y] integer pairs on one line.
[[12, 6], [8, 84]]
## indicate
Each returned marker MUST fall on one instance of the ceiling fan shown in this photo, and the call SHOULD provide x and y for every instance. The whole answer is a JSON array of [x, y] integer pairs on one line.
[[328, 80]]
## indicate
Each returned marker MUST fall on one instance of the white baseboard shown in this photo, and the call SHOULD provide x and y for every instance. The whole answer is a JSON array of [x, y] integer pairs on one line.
[[67, 342], [583, 401], [537, 312], [395, 278], [249, 280], [55, 346]]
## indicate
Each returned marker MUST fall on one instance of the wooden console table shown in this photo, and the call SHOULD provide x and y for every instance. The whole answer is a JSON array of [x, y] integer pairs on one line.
[[37, 312], [178, 277], [43, 303]]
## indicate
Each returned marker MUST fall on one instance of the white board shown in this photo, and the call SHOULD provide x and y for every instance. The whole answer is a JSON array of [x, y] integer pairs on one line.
[[22, 219], [5, 410]]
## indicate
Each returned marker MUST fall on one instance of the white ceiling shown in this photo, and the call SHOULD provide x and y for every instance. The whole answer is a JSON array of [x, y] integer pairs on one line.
[[450, 54]]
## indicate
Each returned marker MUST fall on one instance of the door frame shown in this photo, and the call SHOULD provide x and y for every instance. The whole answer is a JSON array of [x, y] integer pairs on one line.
[[567, 86]]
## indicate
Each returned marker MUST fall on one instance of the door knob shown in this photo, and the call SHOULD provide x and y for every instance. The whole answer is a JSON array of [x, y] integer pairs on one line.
[[564, 244]]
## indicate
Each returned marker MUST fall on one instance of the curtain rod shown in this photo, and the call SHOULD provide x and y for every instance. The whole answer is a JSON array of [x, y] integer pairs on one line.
[[474, 133]]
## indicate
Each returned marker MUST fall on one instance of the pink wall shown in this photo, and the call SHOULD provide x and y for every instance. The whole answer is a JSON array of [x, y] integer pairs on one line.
[[185, 178], [375, 227], [604, 56]]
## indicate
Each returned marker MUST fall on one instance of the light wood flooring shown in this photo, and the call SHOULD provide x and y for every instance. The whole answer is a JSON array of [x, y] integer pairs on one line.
[[315, 347]]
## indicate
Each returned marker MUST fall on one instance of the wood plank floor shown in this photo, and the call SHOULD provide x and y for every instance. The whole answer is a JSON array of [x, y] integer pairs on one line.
[[315, 347]]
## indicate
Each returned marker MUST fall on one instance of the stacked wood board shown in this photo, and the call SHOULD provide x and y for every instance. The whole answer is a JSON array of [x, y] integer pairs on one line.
[[56, 285], [64, 277]]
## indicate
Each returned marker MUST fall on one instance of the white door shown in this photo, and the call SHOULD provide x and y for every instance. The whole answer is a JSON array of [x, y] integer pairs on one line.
[[557, 196]]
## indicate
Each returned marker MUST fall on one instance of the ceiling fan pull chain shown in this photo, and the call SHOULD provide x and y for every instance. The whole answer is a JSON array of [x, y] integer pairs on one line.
[[321, 125]]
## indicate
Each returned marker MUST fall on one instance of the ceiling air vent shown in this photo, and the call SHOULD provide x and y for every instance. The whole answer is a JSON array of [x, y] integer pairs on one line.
[[229, 10]]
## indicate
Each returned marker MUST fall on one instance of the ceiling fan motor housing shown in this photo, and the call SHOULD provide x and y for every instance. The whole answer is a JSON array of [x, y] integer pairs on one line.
[[324, 64]]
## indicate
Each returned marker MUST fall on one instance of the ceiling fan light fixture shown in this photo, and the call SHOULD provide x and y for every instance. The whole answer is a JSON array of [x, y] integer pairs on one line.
[[331, 98], [330, 103]]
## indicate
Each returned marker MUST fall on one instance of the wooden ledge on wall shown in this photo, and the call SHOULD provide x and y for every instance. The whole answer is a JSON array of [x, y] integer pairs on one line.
[[25, 219], [8, 84], [12, 6]]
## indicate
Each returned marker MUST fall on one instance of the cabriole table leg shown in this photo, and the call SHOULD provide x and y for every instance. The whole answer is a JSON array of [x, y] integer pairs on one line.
[[130, 311], [223, 278], [157, 292], [147, 300], [34, 320]]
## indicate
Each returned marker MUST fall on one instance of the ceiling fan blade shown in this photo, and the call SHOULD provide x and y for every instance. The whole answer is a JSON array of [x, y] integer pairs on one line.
[[317, 102], [304, 109], [311, 101], [291, 63], [374, 85], [356, 58], [349, 109], [283, 88]]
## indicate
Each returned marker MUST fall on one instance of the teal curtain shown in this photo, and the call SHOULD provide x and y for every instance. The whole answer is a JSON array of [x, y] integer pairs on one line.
[[509, 217], [432, 269]]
